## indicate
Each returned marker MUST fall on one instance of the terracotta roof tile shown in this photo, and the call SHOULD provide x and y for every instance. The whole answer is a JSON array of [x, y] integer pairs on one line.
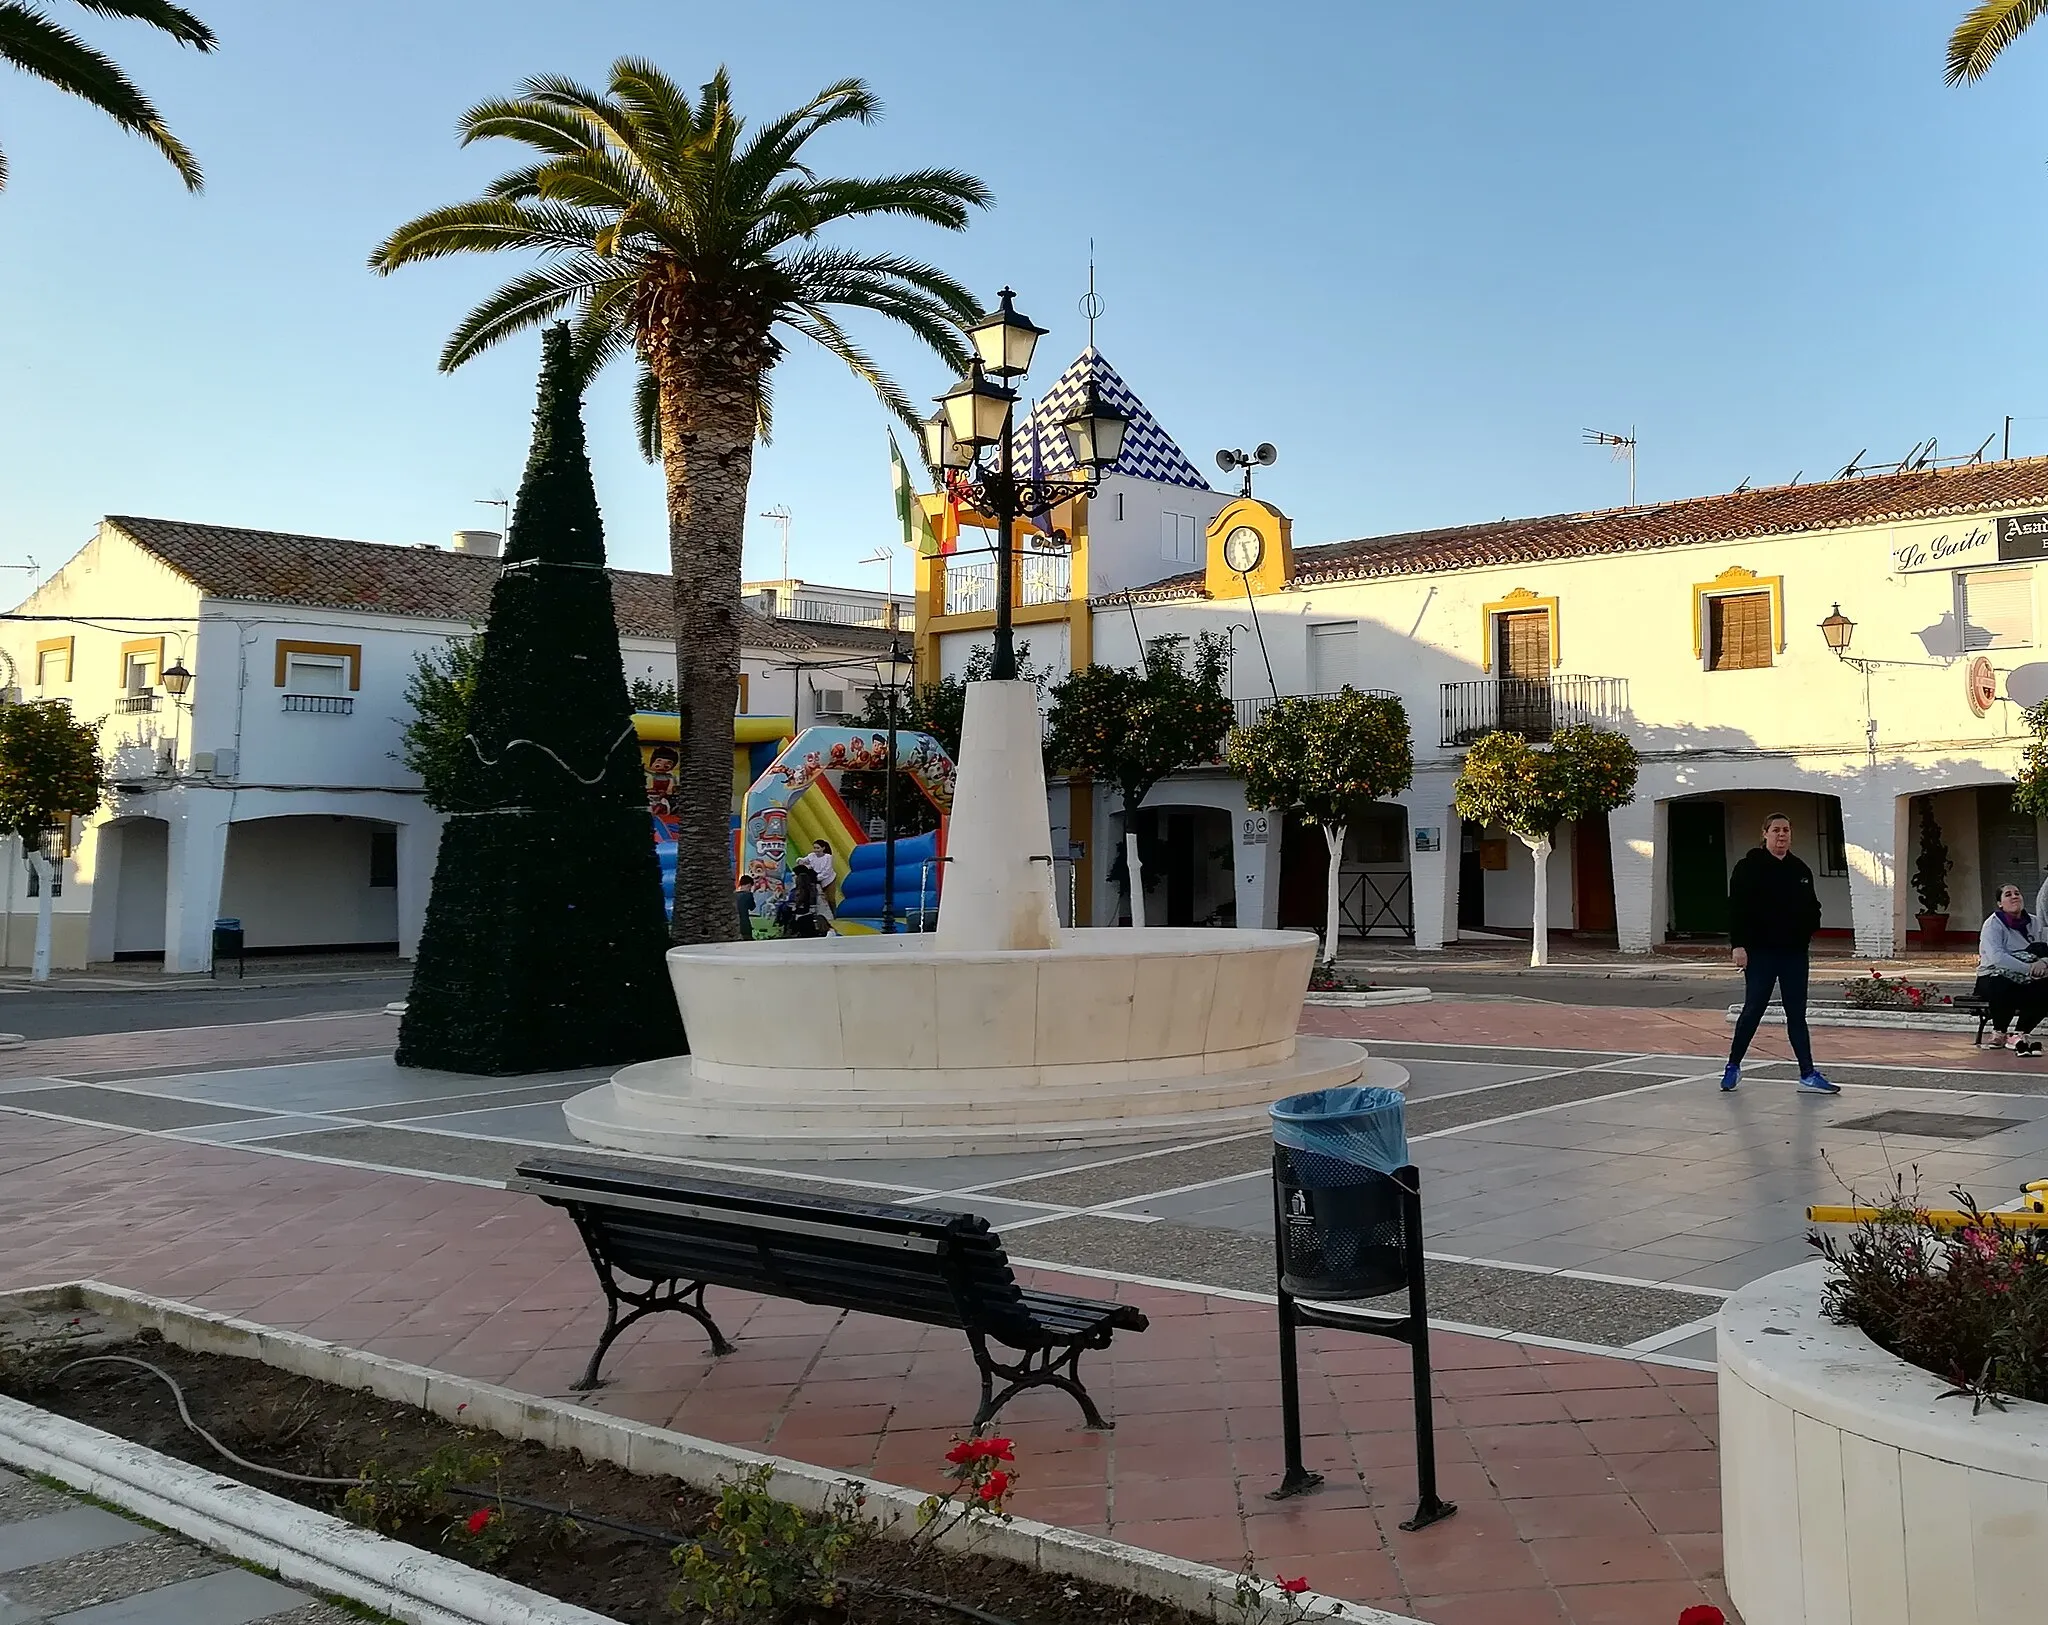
[[1774, 510], [327, 572]]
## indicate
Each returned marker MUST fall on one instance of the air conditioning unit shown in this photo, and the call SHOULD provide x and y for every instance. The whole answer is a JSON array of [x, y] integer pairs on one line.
[[225, 763], [831, 702], [202, 761]]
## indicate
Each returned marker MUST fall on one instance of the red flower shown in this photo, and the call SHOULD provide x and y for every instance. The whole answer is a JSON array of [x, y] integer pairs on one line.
[[478, 1519], [971, 1450], [1292, 1587], [994, 1485], [1703, 1613]]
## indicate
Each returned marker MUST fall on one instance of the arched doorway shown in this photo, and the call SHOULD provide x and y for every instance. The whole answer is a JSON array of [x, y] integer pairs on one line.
[[1188, 859], [313, 881], [1375, 895], [133, 865]]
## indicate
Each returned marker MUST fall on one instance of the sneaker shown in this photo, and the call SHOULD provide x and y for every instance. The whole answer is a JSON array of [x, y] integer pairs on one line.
[[2027, 1046], [1995, 1041], [1731, 1075], [1814, 1084]]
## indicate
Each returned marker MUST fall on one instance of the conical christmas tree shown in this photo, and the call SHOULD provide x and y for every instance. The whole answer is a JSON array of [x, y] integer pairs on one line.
[[544, 936]]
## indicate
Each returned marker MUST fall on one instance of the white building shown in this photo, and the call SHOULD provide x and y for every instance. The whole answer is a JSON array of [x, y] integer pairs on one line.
[[271, 793], [1692, 627]]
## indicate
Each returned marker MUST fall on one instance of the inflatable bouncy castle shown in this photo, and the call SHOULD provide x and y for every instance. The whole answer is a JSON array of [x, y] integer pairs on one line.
[[797, 801]]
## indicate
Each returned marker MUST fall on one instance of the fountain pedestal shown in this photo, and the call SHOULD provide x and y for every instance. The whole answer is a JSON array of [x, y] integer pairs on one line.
[[998, 1032]]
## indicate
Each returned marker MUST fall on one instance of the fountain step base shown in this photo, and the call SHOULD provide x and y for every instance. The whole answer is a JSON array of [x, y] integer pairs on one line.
[[662, 1109]]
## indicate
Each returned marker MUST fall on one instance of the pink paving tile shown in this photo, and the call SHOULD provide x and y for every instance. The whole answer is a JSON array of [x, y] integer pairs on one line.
[[1505, 1410], [1550, 1517], [1148, 1500], [1200, 1540], [1540, 1607], [1364, 1573], [1609, 1557], [1659, 1434], [1674, 1513], [1631, 1603], [1616, 1404]]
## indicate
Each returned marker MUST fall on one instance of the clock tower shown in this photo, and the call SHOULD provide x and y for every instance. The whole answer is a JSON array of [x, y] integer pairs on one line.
[[1250, 551]]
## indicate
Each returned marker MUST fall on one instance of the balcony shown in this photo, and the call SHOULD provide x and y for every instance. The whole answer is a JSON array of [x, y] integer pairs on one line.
[[1533, 707], [321, 705], [970, 588], [1249, 711], [1044, 578], [134, 704]]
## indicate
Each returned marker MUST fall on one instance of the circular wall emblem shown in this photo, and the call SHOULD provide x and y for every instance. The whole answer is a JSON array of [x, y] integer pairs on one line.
[[1981, 684]]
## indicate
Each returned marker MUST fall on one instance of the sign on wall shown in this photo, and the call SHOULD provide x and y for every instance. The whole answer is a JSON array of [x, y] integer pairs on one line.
[[1980, 683], [1256, 830], [1971, 542], [2024, 536]]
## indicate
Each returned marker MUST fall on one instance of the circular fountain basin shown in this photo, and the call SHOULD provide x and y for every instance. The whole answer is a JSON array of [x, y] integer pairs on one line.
[[881, 1046]]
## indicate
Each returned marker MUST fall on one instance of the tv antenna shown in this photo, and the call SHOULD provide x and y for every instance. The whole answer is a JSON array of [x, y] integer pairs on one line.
[[1264, 455], [1091, 301], [1623, 447], [502, 504], [781, 515]]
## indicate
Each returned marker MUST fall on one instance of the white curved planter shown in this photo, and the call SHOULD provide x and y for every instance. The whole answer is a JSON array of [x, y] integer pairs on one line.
[[1852, 1494]]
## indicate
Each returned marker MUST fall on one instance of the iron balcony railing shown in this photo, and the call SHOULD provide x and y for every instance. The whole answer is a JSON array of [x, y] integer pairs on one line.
[[970, 588], [1044, 578], [129, 704], [322, 705], [1249, 711], [1534, 707]]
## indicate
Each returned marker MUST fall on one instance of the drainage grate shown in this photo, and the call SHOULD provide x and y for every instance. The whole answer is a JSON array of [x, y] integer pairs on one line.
[[1934, 1125]]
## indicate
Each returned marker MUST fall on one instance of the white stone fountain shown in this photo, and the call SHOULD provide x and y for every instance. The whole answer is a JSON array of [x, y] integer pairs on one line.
[[1000, 1031]]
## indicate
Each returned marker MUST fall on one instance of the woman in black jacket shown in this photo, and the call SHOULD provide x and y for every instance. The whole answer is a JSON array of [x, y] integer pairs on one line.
[[1773, 913]]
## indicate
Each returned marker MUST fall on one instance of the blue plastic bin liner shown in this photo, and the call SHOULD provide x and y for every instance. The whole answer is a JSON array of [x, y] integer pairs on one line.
[[1352, 1126]]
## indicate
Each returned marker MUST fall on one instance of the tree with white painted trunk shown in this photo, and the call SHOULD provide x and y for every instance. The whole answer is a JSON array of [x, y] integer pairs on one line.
[[1583, 773], [1329, 757], [50, 773]]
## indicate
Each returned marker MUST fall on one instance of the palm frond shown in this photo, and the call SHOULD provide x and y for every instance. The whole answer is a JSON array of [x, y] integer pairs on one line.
[[485, 225], [541, 125], [1985, 32], [821, 267], [526, 301], [817, 325], [175, 21], [939, 197], [773, 149], [37, 46]]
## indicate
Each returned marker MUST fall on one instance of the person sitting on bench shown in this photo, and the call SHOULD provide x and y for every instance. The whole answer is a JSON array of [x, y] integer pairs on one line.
[[2012, 975]]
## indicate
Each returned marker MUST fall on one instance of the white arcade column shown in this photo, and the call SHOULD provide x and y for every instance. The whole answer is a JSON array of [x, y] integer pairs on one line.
[[1636, 835], [1434, 836], [998, 889], [198, 855], [1871, 823]]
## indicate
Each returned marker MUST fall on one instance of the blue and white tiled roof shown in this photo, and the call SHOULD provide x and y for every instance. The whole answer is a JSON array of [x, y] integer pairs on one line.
[[1149, 452]]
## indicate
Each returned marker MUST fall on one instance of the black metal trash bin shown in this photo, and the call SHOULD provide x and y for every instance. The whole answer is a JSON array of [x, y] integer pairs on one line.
[[1347, 1224], [1339, 1214], [227, 940]]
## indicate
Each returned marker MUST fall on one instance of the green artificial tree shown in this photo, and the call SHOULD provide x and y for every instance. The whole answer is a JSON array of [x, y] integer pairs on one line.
[[1331, 757], [50, 773], [1583, 773], [544, 935], [1130, 727]]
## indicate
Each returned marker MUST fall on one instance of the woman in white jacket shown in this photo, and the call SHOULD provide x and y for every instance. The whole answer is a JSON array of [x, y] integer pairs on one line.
[[2011, 979]]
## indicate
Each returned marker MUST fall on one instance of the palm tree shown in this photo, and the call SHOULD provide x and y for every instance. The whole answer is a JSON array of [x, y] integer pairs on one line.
[[1985, 32], [672, 233], [55, 55]]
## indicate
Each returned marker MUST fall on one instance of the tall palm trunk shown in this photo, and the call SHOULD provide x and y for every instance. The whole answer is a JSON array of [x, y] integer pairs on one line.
[[708, 423]]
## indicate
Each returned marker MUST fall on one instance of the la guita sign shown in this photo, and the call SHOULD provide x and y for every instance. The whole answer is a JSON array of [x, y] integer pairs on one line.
[[1948, 551]]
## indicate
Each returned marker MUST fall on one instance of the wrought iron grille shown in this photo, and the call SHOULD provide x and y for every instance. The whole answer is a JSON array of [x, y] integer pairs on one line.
[[323, 705], [1534, 707]]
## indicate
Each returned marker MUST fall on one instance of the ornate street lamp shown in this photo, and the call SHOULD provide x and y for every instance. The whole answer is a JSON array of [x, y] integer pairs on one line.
[[1838, 629], [977, 414], [891, 669], [176, 679]]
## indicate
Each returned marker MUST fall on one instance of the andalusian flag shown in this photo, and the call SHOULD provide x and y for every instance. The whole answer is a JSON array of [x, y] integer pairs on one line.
[[917, 529]]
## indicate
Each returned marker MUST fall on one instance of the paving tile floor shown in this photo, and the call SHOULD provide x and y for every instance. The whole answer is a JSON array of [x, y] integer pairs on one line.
[[64, 1561]]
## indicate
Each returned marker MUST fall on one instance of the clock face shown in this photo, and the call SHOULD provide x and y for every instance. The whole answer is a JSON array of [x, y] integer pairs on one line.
[[1243, 548]]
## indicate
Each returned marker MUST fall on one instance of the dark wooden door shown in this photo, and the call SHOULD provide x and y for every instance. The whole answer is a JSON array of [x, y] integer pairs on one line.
[[1698, 839], [1304, 874], [1592, 876], [1180, 869]]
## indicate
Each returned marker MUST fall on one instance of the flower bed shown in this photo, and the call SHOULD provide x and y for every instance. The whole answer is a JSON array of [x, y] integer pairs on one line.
[[1879, 992], [601, 1526]]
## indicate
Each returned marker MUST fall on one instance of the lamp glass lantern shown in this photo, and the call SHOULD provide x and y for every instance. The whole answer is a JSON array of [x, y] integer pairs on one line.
[[975, 409], [1838, 629], [893, 667], [1097, 432], [941, 450], [176, 679], [1004, 339]]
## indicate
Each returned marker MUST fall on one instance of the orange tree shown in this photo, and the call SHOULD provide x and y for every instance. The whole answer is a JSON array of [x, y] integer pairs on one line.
[[1131, 726], [1330, 757], [1584, 772], [50, 773]]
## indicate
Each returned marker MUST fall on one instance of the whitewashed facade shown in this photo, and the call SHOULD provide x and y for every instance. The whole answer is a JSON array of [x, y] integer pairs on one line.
[[271, 792]]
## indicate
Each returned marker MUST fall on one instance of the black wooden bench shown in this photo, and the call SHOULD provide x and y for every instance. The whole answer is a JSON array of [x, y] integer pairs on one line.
[[681, 1235], [1970, 1005]]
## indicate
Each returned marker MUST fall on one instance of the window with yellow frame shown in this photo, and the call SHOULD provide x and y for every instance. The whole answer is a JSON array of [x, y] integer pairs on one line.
[[1738, 620]]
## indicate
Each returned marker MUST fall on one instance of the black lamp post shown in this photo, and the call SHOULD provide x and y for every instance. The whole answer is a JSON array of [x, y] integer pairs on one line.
[[890, 668], [976, 414]]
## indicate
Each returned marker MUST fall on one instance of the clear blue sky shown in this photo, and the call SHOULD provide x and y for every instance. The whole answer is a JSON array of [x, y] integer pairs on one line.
[[1419, 247]]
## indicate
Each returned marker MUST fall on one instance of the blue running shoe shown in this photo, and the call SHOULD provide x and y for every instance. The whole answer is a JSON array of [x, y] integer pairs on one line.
[[1731, 1075], [1814, 1084]]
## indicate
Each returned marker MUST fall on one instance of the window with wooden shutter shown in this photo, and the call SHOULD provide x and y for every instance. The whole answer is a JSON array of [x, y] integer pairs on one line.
[[1524, 645], [1995, 608], [1738, 631]]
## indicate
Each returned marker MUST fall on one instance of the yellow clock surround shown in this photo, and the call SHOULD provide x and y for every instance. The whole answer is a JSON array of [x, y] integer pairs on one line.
[[1275, 568]]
